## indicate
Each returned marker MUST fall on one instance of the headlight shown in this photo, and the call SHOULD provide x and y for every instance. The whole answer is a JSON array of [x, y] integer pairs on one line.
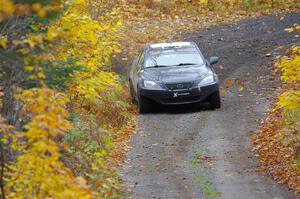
[[207, 81], [151, 85]]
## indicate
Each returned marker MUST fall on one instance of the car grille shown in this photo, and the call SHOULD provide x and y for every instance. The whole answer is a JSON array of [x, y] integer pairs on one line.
[[179, 86], [182, 100]]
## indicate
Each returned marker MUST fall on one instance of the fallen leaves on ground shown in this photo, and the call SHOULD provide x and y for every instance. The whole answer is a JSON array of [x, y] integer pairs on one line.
[[275, 158]]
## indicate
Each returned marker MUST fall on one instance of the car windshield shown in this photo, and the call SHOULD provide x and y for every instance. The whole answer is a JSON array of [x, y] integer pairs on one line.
[[173, 56]]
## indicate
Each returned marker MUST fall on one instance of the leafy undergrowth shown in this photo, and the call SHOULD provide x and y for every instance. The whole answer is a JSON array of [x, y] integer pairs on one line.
[[97, 144], [278, 140]]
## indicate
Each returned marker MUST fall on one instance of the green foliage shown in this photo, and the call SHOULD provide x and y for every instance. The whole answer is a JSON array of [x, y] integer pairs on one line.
[[206, 186], [34, 22], [88, 140], [292, 117], [85, 148], [59, 73], [210, 191], [212, 5], [296, 162]]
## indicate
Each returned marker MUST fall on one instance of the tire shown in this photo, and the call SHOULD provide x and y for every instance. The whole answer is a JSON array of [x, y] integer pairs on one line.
[[144, 105], [215, 100], [133, 100]]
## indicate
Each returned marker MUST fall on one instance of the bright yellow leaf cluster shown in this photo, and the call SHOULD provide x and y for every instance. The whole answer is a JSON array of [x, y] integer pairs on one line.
[[3, 41], [6, 9], [290, 99], [93, 41], [290, 67], [88, 86], [38, 172]]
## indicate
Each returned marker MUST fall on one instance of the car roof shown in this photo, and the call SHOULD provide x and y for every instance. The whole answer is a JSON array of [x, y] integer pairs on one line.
[[172, 44]]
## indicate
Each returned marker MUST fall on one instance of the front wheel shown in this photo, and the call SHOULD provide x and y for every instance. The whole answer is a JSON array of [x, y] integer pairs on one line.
[[215, 100], [133, 99], [144, 105]]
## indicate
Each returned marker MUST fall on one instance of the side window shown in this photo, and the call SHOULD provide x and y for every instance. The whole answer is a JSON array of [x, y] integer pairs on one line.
[[141, 61]]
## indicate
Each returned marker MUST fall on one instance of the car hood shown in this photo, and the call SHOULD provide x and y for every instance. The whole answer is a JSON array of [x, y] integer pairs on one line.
[[174, 74]]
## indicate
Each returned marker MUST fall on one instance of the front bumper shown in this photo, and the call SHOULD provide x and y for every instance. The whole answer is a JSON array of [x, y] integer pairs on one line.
[[176, 97]]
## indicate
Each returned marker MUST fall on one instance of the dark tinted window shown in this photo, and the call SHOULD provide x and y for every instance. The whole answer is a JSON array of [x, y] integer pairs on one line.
[[172, 56]]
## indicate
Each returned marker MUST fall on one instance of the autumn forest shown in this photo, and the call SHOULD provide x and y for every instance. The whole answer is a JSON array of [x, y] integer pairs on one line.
[[68, 125]]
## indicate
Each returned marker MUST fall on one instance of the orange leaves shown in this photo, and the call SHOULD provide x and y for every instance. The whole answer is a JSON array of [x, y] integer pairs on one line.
[[228, 83], [275, 157], [235, 82], [278, 140]]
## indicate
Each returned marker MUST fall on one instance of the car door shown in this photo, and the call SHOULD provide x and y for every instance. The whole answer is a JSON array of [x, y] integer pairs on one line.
[[132, 74], [136, 70]]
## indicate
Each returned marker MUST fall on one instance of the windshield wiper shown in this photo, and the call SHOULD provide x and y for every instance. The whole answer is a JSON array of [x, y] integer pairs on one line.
[[158, 66], [185, 64], [181, 64]]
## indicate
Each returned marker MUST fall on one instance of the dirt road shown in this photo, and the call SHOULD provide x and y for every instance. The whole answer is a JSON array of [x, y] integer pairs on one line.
[[184, 153]]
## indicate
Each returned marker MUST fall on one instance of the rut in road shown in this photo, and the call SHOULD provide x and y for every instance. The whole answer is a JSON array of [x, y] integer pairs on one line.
[[183, 153]]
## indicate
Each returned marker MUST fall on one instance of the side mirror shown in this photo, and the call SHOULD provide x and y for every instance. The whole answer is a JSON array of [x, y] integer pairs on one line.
[[213, 60]]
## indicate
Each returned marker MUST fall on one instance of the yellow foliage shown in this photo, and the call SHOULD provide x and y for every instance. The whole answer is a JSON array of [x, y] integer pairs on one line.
[[204, 2], [290, 100], [88, 86], [6, 9], [36, 7], [295, 28], [92, 41], [38, 172], [290, 67], [3, 41]]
